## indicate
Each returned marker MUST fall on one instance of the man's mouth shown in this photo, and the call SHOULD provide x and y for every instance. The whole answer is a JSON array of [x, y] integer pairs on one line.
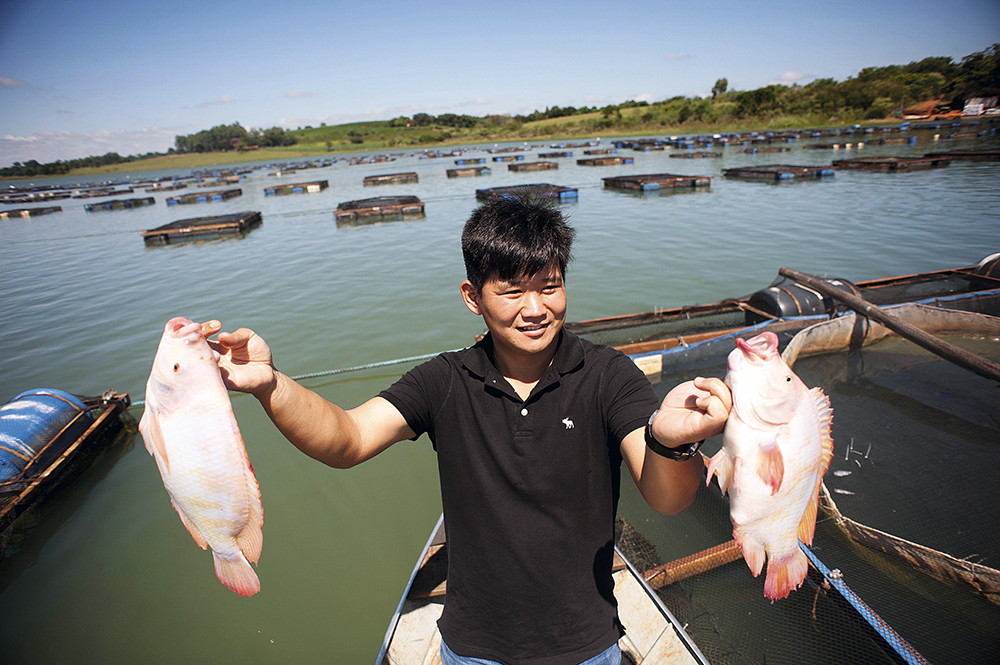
[[540, 327]]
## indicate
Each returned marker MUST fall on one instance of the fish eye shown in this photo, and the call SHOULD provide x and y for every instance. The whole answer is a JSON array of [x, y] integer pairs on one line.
[[788, 377], [177, 367]]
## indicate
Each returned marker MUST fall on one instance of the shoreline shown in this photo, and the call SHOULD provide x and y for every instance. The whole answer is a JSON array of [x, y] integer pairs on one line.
[[201, 160]]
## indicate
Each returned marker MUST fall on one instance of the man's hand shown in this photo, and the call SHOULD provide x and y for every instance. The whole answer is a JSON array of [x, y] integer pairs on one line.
[[692, 411], [244, 359]]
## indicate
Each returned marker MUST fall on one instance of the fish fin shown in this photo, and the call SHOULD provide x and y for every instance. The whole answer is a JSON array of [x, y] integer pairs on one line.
[[152, 436], [753, 552], [236, 575], [721, 465], [770, 465], [825, 412], [807, 527], [785, 574], [192, 529], [251, 539]]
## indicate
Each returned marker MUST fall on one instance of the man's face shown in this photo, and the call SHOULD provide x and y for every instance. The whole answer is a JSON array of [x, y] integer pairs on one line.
[[524, 315]]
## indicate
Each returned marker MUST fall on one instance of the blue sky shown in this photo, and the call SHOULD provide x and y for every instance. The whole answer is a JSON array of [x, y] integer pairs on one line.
[[81, 78]]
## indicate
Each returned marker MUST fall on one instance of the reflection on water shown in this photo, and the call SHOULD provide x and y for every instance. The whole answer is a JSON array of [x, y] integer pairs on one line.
[[84, 301]]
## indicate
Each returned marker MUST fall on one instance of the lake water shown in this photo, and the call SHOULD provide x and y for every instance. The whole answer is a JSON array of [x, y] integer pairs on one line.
[[110, 575]]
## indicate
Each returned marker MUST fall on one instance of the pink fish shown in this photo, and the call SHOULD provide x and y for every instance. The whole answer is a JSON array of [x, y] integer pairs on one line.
[[775, 449], [190, 430]]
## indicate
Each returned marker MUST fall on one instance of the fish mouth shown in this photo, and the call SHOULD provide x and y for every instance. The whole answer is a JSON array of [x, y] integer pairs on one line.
[[758, 347], [181, 326]]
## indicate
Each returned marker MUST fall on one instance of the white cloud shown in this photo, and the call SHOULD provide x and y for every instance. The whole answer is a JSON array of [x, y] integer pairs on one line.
[[788, 78], [644, 97], [7, 82], [220, 100], [46, 147], [292, 94], [675, 56]]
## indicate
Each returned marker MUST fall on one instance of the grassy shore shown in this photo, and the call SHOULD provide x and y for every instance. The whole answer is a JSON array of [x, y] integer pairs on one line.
[[380, 138]]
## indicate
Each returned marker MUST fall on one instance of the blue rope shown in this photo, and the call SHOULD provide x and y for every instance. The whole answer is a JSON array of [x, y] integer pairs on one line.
[[892, 638]]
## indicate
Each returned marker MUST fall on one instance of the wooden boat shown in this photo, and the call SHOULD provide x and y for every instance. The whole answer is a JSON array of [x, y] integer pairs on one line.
[[47, 462], [786, 307], [653, 635]]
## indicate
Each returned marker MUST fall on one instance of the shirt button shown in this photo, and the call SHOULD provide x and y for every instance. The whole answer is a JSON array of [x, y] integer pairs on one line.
[[524, 412]]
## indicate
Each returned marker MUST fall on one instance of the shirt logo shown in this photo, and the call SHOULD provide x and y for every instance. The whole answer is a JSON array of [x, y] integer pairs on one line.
[[568, 423]]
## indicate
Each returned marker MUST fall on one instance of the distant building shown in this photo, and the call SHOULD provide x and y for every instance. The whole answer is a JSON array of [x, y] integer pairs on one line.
[[979, 105]]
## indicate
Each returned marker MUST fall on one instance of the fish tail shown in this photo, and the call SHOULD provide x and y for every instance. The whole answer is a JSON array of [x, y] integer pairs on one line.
[[785, 574], [236, 575]]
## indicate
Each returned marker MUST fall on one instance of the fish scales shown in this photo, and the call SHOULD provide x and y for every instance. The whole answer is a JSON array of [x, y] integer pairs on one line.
[[775, 449], [189, 428]]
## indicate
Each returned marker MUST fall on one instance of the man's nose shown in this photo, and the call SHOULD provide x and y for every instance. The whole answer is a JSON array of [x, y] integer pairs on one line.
[[533, 305]]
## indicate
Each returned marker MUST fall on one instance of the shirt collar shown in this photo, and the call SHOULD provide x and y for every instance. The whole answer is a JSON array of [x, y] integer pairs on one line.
[[569, 356]]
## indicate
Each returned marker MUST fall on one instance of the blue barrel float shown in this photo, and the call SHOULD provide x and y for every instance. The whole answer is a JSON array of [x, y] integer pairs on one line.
[[35, 428]]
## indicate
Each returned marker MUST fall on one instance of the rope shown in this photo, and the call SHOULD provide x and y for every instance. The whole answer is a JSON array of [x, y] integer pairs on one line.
[[354, 368], [891, 637]]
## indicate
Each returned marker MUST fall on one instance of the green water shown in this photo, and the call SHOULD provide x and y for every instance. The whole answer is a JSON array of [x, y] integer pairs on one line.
[[109, 575]]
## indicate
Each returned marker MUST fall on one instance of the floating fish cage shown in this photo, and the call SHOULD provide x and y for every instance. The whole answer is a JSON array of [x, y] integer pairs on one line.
[[120, 204], [381, 207], [974, 155], [29, 212], [167, 188], [297, 188], [554, 155], [33, 197], [95, 193], [604, 161], [655, 181], [509, 158], [469, 171], [778, 172], [391, 179], [533, 166], [537, 190], [48, 438], [695, 155], [204, 197], [470, 160], [601, 151], [202, 228], [905, 562], [892, 164], [753, 151]]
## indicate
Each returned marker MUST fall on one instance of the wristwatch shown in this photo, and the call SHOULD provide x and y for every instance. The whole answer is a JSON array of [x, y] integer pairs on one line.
[[681, 453]]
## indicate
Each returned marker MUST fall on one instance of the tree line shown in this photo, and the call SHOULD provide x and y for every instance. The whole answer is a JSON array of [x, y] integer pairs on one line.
[[233, 137]]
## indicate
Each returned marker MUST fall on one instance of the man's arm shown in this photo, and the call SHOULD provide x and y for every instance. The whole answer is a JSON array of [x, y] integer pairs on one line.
[[692, 411], [314, 425]]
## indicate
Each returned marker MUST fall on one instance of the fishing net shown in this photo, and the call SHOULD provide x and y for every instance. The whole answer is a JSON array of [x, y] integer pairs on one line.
[[906, 549]]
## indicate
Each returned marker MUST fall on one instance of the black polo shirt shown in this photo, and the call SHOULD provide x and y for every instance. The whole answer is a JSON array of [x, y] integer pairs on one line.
[[530, 490]]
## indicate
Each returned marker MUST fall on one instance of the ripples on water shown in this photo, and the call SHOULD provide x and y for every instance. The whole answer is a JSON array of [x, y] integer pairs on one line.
[[83, 305]]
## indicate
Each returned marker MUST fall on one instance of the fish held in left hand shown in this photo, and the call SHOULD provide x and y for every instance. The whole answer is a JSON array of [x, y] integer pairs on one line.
[[775, 449], [190, 430]]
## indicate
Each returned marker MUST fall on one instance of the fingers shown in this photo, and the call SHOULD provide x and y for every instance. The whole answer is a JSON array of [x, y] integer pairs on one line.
[[717, 389], [235, 339], [209, 328]]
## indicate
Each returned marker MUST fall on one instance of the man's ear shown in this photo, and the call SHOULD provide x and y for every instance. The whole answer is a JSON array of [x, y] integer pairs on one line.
[[471, 297]]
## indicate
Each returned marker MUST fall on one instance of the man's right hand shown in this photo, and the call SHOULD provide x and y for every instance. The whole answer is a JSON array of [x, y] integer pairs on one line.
[[244, 360]]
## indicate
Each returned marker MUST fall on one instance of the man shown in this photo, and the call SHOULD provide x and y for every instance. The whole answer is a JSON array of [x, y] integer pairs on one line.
[[530, 426]]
